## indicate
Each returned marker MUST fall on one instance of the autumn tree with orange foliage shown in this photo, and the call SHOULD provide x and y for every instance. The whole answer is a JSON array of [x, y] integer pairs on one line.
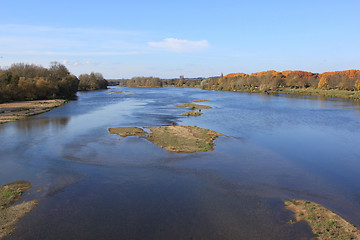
[[343, 80], [268, 81]]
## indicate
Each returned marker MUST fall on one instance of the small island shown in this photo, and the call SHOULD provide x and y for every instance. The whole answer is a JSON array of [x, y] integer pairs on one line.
[[324, 223], [115, 92], [193, 106], [10, 214], [181, 139], [192, 113]]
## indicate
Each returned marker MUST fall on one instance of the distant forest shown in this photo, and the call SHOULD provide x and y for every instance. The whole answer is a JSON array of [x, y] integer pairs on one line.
[[30, 82], [267, 81]]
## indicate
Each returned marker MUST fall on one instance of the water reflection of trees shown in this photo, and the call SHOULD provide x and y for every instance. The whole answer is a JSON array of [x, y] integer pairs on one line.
[[41, 123]]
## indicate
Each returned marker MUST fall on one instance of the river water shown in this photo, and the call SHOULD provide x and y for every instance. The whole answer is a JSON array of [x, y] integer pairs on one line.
[[95, 185]]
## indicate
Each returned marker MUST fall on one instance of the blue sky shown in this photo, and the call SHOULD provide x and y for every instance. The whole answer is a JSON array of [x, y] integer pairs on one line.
[[122, 39]]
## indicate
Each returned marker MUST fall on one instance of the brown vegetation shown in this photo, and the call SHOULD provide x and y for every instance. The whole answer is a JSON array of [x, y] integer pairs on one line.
[[31, 82], [324, 223], [183, 139], [18, 110], [10, 215], [141, 82]]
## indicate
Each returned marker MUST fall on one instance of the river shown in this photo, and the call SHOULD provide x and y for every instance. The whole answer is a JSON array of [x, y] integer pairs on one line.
[[95, 185]]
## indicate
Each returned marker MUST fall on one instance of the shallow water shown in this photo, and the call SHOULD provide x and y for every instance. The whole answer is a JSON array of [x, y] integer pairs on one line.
[[95, 185]]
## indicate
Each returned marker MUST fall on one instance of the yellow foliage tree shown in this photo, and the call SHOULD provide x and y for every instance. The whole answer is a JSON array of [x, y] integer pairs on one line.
[[357, 85], [323, 83]]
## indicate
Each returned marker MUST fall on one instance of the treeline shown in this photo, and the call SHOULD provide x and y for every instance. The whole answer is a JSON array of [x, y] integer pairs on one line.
[[92, 81], [262, 81], [272, 81], [30, 82], [142, 82], [157, 82]]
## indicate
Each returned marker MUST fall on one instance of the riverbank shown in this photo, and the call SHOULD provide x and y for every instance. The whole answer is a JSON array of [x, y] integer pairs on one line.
[[14, 111], [332, 93], [310, 91]]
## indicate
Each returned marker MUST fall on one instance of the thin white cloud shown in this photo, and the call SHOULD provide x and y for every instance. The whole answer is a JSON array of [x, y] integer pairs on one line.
[[78, 63], [180, 45]]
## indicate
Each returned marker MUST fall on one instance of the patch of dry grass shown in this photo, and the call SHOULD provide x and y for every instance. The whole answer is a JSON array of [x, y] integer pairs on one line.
[[128, 131], [183, 139]]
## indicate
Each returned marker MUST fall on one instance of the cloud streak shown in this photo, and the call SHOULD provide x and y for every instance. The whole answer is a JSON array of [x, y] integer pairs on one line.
[[180, 45]]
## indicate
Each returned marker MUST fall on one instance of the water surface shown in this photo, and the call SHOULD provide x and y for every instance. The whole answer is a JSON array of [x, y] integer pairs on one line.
[[95, 185]]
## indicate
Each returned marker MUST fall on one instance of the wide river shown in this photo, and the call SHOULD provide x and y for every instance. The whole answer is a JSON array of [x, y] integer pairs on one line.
[[95, 185]]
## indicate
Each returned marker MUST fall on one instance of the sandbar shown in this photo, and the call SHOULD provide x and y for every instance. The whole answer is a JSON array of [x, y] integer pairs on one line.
[[13, 111]]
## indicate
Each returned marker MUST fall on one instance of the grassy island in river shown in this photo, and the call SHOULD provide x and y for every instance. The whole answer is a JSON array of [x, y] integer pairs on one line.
[[193, 106], [324, 223], [192, 113], [10, 214], [183, 139], [115, 92]]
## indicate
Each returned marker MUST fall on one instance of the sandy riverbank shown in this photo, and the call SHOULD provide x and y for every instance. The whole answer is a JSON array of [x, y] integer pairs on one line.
[[13, 111]]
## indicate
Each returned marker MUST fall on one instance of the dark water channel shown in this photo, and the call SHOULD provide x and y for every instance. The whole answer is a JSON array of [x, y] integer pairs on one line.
[[94, 185]]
